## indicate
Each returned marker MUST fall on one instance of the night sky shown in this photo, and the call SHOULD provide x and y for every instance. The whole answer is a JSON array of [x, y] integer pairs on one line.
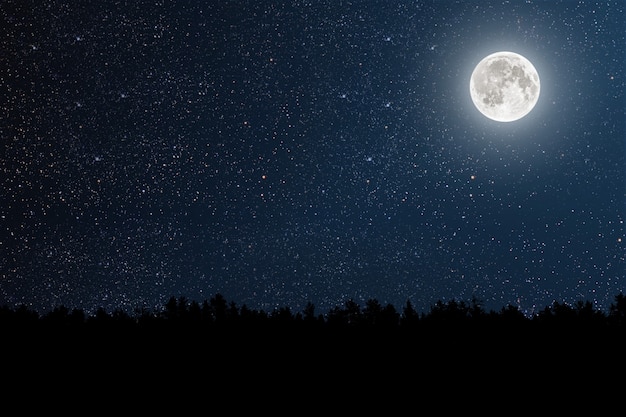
[[285, 152]]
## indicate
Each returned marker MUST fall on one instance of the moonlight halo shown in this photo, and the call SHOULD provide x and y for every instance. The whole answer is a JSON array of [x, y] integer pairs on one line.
[[504, 86]]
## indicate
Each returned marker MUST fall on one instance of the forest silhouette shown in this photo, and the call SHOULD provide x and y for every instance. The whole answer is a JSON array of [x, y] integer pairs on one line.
[[220, 317], [220, 338]]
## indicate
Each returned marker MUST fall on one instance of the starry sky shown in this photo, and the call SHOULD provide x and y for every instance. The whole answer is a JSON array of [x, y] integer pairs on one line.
[[285, 152]]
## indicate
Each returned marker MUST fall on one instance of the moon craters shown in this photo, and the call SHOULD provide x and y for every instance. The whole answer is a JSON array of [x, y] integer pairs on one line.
[[504, 86]]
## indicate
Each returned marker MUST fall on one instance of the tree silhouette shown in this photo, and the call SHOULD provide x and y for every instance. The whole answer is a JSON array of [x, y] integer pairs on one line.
[[617, 310], [218, 319], [409, 317], [218, 306]]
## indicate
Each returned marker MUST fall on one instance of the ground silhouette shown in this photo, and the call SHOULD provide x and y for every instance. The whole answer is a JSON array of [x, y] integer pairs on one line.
[[455, 345]]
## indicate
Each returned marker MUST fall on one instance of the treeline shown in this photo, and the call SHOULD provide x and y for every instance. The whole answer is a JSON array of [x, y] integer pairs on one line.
[[219, 313], [217, 337]]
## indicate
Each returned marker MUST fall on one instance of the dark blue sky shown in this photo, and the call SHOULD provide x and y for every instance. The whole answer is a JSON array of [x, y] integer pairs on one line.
[[286, 152]]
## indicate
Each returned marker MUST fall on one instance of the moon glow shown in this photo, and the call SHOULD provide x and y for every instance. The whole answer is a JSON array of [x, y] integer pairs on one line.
[[504, 86]]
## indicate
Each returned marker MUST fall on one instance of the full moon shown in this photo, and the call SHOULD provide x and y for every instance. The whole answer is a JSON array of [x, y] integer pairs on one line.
[[504, 86]]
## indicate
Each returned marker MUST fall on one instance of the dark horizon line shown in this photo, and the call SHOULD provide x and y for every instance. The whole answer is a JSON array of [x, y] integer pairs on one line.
[[218, 305]]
